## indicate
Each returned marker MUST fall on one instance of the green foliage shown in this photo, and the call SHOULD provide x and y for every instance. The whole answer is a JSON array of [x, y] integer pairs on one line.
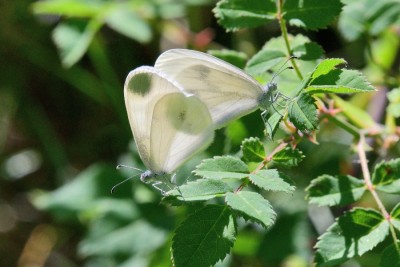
[[390, 256], [205, 237], [222, 168], [353, 234], [273, 53], [368, 17], [341, 190], [272, 180], [237, 14], [253, 150], [327, 79], [199, 226], [303, 113], [288, 157], [252, 206], [386, 176], [394, 99]]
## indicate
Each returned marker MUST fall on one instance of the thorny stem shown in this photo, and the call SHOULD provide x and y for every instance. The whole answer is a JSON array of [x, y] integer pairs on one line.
[[371, 188], [262, 164], [282, 24]]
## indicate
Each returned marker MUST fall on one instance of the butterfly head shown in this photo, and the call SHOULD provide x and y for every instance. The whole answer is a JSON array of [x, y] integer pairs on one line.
[[149, 176]]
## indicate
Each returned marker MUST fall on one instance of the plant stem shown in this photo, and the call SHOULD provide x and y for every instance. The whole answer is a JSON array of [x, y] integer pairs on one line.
[[282, 24], [262, 164], [371, 188]]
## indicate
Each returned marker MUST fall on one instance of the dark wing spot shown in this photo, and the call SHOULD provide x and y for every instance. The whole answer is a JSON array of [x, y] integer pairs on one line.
[[140, 84]]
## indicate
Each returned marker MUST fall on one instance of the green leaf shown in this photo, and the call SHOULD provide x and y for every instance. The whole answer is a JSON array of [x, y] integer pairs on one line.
[[67, 202], [236, 58], [126, 22], [390, 256], [308, 51], [252, 206], [69, 8], [272, 180], [73, 42], [205, 237], [237, 14], [327, 79], [274, 53], [356, 115], [253, 150], [386, 176], [272, 124], [137, 237], [326, 66], [368, 17], [307, 13], [353, 234], [200, 190], [263, 61], [329, 190], [303, 113], [222, 167], [288, 157], [395, 215], [394, 105]]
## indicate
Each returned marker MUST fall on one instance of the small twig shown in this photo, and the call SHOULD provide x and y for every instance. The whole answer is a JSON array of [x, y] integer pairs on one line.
[[367, 179]]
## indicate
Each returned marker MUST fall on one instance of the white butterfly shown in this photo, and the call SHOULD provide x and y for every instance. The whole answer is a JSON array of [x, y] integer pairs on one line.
[[168, 124], [228, 92]]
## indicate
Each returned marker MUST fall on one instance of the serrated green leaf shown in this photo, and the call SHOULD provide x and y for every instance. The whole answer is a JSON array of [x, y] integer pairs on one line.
[[253, 150], [390, 256], [272, 180], [205, 237], [386, 176], [252, 206], [126, 22], [329, 190], [237, 14], [307, 14], [356, 115], [354, 233], [200, 190], [327, 65], [234, 57], [288, 157], [340, 82], [303, 113], [72, 42], [222, 167], [395, 215]]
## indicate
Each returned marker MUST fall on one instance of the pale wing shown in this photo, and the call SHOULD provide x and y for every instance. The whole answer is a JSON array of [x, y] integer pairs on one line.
[[143, 88], [181, 127], [228, 92]]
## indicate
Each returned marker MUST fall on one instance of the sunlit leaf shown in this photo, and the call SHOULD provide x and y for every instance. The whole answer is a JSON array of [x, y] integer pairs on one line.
[[252, 206], [353, 234]]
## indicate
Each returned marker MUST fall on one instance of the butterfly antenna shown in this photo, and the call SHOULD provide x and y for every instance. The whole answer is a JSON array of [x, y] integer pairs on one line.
[[120, 166], [127, 179], [281, 69]]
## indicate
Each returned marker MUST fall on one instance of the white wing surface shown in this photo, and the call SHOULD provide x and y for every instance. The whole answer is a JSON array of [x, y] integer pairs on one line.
[[228, 92], [181, 126], [165, 135]]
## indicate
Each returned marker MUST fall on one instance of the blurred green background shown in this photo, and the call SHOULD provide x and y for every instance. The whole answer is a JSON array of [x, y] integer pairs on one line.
[[63, 129]]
